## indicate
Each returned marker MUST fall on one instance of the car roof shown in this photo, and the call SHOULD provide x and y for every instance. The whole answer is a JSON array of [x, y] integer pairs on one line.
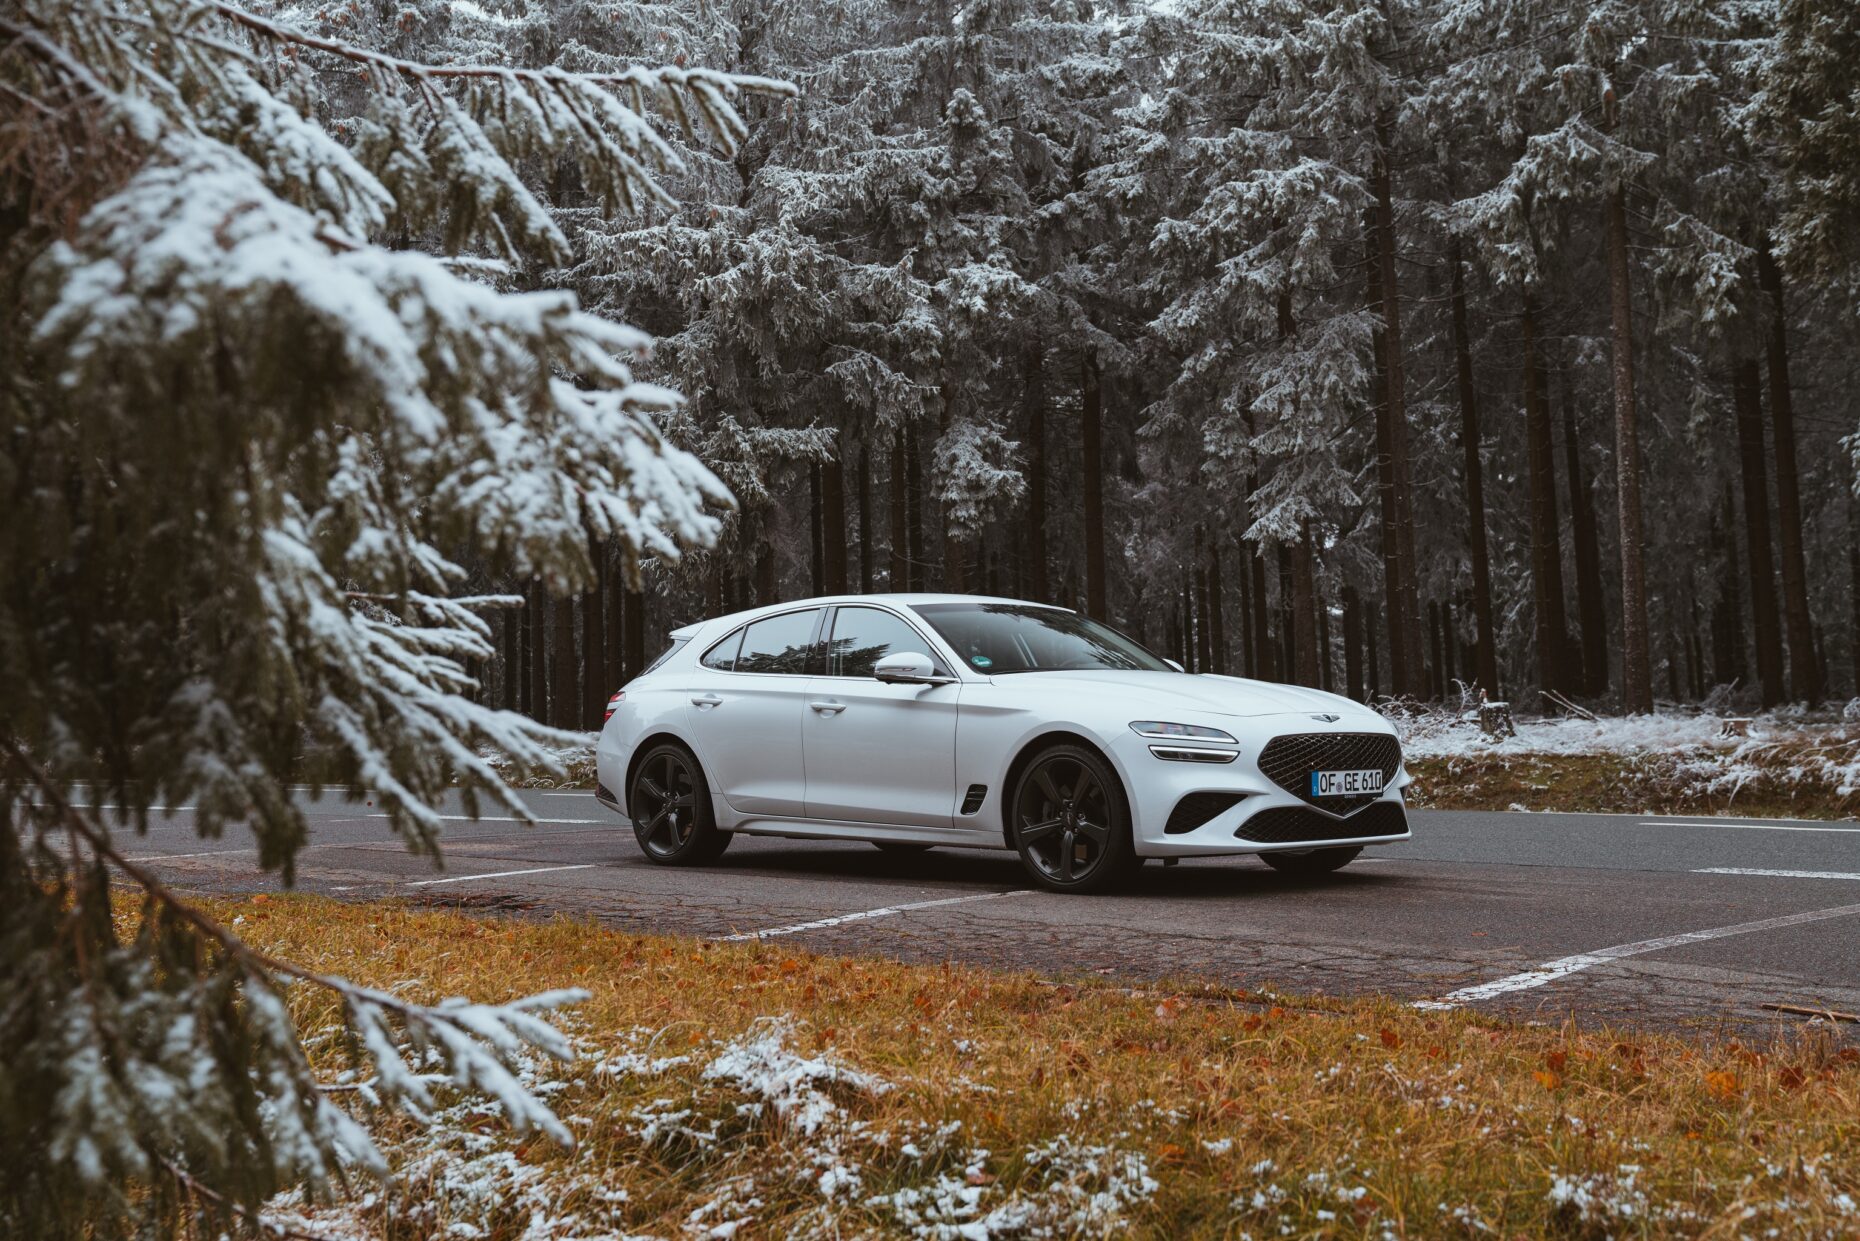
[[914, 599]]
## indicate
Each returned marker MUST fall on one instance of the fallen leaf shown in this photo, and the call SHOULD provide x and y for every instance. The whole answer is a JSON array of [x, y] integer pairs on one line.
[[1556, 1060], [1390, 1039], [1548, 1080]]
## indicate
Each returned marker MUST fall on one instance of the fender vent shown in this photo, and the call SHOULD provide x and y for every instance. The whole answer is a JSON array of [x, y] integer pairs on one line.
[[601, 793], [972, 800], [1197, 809]]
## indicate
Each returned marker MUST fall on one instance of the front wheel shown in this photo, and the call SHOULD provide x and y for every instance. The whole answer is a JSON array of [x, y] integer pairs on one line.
[[672, 814], [1316, 862], [1070, 823]]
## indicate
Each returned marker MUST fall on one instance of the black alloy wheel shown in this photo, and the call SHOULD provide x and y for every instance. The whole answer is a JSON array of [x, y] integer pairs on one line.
[[670, 804], [1070, 823], [1315, 862]]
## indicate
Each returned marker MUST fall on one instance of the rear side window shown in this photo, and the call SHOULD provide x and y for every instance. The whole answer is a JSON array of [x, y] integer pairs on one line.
[[722, 657], [779, 644], [863, 636]]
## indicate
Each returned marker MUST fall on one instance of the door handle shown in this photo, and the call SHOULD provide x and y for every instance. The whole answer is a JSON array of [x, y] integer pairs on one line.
[[827, 706], [705, 700]]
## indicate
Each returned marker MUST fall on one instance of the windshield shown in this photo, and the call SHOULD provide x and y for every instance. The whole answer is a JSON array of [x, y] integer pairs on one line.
[[999, 638]]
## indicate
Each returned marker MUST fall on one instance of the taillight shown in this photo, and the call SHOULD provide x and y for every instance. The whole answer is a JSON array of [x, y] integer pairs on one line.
[[618, 698]]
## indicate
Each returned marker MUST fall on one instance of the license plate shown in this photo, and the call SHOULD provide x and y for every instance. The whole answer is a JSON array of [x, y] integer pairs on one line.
[[1345, 783]]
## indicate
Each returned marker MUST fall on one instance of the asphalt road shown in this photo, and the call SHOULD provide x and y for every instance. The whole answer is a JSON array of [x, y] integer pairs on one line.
[[1606, 918]]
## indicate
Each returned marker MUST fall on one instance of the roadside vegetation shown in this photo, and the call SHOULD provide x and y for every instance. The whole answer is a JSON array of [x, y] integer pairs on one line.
[[759, 1090]]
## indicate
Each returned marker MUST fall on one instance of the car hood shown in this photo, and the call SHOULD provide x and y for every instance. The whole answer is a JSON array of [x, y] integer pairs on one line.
[[1216, 695]]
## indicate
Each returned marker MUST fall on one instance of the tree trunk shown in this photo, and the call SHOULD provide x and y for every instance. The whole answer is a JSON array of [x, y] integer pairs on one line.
[[1303, 617], [613, 581], [898, 504], [1853, 585], [594, 680], [1394, 368], [1249, 661], [635, 633], [1217, 610], [1727, 629], [1436, 639], [1091, 435], [914, 500], [565, 698], [768, 589], [1803, 681], [1388, 509], [1372, 675], [1636, 666], [816, 564], [1352, 645], [1590, 604], [511, 619], [1033, 406], [1747, 388], [866, 542], [1552, 631], [535, 636], [1487, 671], [833, 524]]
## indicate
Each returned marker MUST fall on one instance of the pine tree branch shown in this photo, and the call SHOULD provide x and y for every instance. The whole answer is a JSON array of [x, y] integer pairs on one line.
[[414, 71], [254, 961]]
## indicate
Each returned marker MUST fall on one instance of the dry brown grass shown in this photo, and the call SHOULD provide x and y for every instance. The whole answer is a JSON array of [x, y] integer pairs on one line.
[[1776, 781], [1077, 1110]]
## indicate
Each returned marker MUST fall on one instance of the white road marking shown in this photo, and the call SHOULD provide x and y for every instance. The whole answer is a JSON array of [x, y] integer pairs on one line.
[[1779, 874], [1754, 827], [169, 857], [1550, 971], [493, 818], [582, 793], [500, 874], [886, 912]]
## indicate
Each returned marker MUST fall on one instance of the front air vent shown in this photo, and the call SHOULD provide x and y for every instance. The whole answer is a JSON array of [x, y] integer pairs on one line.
[[972, 800], [1198, 809], [1286, 825], [1288, 762]]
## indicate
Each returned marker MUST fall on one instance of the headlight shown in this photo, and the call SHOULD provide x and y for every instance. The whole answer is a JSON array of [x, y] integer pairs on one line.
[[1178, 732]]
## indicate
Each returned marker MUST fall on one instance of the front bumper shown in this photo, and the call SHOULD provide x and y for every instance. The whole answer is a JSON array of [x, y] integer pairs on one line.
[[1184, 809]]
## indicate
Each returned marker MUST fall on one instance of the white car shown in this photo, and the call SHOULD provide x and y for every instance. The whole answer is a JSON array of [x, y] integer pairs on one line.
[[912, 721]]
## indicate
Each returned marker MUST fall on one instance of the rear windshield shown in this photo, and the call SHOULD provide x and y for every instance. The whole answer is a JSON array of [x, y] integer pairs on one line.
[[996, 638]]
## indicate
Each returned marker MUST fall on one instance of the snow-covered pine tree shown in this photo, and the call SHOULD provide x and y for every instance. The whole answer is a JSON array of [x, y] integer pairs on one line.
[[248, 432]]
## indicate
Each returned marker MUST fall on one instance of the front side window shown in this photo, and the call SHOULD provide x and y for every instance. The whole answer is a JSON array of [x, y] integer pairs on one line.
[[863, 636], [779, 644], [997, 638]]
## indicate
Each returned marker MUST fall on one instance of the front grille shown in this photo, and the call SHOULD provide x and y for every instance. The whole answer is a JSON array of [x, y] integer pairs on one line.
[[1288, 762], [1284, 825], [1195, 809]]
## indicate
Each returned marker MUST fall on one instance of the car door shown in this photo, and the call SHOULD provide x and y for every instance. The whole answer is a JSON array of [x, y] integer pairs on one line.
[[747, 701], [878, 753]]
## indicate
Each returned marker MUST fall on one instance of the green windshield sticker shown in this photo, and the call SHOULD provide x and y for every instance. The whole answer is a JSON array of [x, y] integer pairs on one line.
[[980, 661]]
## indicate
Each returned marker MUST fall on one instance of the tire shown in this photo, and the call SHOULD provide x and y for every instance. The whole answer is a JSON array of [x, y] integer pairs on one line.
[[1070, 822], [1316, 862], [900, 846], [669, 800]]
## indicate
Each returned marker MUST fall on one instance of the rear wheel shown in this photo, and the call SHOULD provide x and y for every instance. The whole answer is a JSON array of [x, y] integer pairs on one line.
[[670, 804], [1070, 823], [1316, 862]]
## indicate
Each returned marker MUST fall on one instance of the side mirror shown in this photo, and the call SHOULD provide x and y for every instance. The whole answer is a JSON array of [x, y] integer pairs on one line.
[[1176, 666], [908, 668]]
